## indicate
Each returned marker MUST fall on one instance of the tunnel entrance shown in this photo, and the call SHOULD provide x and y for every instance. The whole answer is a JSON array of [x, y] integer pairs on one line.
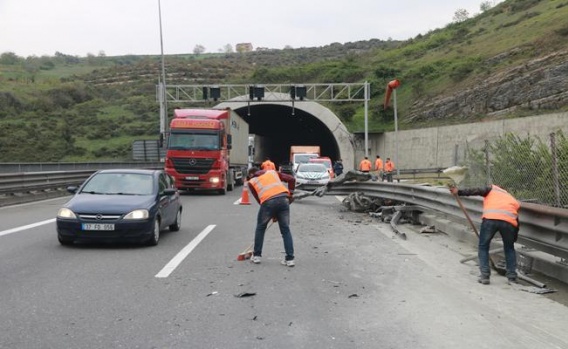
[[280, 125], [276, 129]]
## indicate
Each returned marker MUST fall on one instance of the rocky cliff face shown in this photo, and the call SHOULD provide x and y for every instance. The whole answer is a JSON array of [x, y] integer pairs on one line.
[[540, 84]]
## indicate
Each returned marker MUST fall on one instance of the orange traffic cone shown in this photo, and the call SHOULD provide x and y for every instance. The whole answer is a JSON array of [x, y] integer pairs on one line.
[[245, 195]]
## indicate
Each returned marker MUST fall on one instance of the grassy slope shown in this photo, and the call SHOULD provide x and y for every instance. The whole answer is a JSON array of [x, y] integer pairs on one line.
[[104, 123]]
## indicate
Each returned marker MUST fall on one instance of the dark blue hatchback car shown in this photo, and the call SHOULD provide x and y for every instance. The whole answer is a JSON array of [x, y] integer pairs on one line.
[[132, 205]]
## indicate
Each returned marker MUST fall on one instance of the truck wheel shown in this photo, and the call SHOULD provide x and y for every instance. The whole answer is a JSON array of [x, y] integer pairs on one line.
[[230, 181]]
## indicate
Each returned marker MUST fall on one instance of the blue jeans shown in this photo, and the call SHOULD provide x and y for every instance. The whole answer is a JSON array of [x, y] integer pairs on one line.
[[489, 227], [280, 208]]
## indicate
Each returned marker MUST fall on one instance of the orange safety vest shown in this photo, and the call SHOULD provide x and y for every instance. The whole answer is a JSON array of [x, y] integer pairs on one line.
[[501, 205], [365, 165], [268, 165], [268, 185], [378, 165], [389, 166]]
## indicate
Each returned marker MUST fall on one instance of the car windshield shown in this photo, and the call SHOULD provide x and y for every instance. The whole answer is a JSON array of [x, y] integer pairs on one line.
[[119, 184], [312, 168], [326, 163]]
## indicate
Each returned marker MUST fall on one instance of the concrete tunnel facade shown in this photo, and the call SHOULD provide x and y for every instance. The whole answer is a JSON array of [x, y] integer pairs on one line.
[[281, 125]]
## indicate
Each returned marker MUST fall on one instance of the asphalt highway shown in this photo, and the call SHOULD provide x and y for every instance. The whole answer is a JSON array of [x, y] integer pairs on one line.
[[355, 285]]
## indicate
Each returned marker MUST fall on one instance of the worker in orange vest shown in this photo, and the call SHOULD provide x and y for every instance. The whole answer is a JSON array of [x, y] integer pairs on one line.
[[268, 165], [389, 168], [379, 167], [500, 214], [274, 199], [365, 165]]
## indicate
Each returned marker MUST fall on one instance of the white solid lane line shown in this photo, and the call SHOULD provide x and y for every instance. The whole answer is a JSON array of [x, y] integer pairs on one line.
[[173, 264], [29, 226]]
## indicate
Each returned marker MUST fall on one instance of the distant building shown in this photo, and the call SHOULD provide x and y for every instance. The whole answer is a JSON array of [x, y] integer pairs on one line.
[[243, 47]]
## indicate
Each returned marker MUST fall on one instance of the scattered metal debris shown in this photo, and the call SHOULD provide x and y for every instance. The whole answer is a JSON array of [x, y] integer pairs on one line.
[[394, 222], [245, 294], [537, 290], [428, 229]]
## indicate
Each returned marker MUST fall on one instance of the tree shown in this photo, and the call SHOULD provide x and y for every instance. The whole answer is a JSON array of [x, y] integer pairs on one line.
[[486, 5], [228, 48], [9, 58], [460, 15], [198, 49]]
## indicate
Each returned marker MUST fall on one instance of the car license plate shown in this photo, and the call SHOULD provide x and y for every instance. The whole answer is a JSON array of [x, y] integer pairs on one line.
[[312, 182], [97, 226], [192, 178]]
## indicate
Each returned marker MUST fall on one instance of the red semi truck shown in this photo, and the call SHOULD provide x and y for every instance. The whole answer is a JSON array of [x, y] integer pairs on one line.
[[207, 149]]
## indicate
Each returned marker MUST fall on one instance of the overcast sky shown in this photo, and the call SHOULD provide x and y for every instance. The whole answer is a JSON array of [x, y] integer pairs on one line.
[[120, 27]]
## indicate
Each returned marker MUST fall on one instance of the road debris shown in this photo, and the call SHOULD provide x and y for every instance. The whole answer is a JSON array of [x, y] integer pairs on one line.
[[245, 294]]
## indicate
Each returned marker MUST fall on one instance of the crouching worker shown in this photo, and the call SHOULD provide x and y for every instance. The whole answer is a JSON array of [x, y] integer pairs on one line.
[[274, 199], [500, 214]]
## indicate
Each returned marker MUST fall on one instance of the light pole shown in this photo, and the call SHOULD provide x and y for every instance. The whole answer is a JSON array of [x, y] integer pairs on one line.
[[162, 92]]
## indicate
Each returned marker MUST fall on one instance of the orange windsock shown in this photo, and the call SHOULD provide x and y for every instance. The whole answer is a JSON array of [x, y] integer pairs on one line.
[[390, 86]]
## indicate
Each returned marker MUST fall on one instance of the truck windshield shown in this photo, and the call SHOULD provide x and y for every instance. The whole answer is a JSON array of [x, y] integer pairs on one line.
[[303, 158], [193, 141]]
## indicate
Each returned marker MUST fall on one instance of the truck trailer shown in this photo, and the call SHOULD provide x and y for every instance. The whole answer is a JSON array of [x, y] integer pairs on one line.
[[207, 149]]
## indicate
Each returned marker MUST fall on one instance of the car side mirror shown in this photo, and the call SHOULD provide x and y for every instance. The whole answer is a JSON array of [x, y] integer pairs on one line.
[[72, 189], [170, 191]]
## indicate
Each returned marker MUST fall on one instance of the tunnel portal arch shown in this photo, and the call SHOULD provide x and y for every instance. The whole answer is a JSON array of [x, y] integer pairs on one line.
[[280, 125]]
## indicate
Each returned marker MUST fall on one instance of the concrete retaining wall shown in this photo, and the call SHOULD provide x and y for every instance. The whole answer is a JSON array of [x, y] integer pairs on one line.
[[447, 145]]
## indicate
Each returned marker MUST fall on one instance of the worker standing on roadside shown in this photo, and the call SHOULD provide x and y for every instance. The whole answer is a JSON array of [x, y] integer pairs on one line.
[[379, 167], [500, 214], [274, 199], [338, 168], [365, 165], [268, 165], [389, 168]]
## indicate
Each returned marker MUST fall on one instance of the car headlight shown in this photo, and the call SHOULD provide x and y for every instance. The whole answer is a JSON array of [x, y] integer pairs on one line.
[[65, 213], [299, 175], [138, 214]]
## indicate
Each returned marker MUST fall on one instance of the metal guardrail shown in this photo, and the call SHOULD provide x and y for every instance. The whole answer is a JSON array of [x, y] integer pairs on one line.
[[543, 228], [30, 177], [20, 167], [11, 183]]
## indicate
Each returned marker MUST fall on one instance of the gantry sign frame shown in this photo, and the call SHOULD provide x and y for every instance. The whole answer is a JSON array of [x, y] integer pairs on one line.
[[266, 93]]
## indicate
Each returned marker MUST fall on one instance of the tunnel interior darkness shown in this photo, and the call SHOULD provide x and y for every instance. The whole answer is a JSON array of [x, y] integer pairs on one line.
[[280, 130]]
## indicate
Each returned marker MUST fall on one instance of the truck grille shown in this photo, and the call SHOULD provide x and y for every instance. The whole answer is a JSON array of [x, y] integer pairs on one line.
[[192, 165]]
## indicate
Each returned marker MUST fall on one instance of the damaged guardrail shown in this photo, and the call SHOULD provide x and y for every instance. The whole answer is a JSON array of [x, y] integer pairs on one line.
[[543, 228]]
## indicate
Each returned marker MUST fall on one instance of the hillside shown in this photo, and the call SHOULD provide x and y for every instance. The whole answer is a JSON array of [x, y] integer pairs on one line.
[[509, 61]]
